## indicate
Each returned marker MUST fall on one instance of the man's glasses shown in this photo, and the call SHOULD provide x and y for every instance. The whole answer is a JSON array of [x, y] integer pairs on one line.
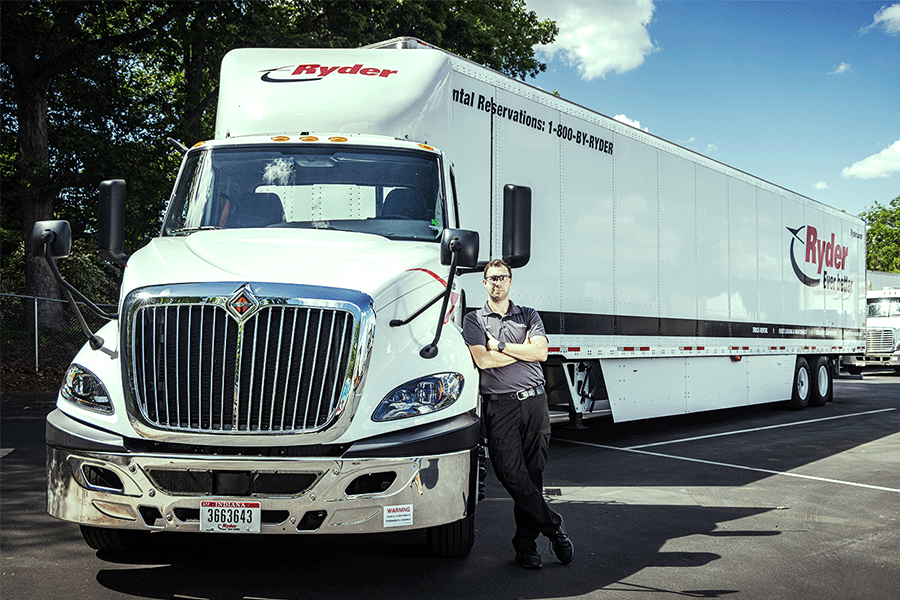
[[498, 278]]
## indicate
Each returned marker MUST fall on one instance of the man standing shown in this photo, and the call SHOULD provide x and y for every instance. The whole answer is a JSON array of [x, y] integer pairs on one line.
[[508, 343]]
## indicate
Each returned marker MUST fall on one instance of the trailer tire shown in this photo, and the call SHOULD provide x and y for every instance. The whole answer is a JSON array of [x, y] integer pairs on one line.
[[453, 540], [802, 388], [112, 540], [822, 382]]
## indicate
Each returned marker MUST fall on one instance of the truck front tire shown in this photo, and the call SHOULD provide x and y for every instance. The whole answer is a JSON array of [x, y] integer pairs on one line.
[[453, 540], [112, 540]]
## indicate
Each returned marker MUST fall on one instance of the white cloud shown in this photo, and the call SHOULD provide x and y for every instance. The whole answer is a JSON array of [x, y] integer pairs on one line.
[[598, 37], [878, 165], [888, 18], [841, 68], [821, 185], [710, 148], [633, 123]]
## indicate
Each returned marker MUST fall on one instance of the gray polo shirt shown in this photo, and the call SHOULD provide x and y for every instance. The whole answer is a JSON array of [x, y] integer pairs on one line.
[[518, 324]]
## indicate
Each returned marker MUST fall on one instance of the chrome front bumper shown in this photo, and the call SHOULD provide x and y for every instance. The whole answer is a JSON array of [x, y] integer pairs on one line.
[[872, 360], [123, 491]]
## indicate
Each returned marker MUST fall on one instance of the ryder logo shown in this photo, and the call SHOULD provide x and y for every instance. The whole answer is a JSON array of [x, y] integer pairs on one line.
[[819, 261], [313, 72]]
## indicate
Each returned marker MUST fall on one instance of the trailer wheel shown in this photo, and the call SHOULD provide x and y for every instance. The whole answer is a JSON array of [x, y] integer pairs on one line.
[[802, 389], [822, 383], [112, 540], [453, 540]]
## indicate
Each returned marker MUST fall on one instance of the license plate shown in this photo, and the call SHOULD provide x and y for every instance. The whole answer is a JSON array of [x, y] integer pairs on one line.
[[230, 516]]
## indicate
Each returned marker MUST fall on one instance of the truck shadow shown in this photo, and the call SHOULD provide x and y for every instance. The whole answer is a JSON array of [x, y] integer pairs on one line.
[[620, 540], [760, 440]]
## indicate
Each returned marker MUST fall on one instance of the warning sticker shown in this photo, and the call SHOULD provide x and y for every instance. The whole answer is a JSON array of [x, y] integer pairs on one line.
[[398, 516]]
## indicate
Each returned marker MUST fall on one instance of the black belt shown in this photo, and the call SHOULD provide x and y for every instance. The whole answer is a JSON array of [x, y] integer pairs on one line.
[[520, 395]]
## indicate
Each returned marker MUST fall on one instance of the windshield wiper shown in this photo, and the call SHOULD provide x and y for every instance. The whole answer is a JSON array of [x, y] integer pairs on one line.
[[190, 230]]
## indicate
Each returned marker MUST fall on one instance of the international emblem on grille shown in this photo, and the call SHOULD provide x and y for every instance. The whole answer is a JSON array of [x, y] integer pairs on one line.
[[241, 364], [242, 303]]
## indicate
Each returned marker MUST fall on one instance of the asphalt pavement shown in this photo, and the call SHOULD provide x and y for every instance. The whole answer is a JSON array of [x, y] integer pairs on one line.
[[753, 503]]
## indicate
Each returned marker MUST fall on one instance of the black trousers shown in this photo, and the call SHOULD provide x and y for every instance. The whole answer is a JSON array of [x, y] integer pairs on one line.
[[518, 435]]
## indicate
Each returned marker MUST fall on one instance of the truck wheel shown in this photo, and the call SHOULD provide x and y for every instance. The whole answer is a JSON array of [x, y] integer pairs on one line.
[[822, 383], [453, 540], [111, 540], [802, 389]]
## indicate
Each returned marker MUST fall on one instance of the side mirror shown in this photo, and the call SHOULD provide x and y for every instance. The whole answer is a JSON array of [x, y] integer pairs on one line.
[[57, 233], [468, 251], [53, 240], [516, 225], [112, 221]]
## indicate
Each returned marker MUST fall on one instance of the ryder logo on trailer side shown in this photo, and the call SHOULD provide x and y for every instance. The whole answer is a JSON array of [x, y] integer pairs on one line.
[[315, 72], [819, 261]]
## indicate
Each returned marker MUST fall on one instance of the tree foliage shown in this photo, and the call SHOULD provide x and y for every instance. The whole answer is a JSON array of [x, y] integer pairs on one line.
[[59, 59], [883, 236], [90, 90], [91, 275]]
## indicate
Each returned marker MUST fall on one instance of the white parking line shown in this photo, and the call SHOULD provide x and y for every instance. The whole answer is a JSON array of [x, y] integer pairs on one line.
[[705, 437], [742, 467]]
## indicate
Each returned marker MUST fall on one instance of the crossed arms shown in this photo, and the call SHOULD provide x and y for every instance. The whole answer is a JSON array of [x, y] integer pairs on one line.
[[533, 349]]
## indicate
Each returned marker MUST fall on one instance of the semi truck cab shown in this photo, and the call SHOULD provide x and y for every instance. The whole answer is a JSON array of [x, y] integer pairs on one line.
[[268, 371], [882, 332]]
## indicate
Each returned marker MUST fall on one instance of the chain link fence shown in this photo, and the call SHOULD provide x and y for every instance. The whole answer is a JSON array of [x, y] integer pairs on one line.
[[39, 337]]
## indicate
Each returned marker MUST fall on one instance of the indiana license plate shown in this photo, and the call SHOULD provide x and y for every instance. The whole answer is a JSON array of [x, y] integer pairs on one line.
[[230, 516]]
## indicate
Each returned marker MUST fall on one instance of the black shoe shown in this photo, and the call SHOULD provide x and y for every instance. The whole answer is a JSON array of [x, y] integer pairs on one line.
[[529, 559], [562, 546]]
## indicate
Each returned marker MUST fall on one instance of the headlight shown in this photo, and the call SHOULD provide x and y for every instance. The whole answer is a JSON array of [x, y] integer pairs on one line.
[[420, 397], [82, 388]]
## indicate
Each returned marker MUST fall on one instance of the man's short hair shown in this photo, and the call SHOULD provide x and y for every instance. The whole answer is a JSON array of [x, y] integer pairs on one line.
[[497, 263]]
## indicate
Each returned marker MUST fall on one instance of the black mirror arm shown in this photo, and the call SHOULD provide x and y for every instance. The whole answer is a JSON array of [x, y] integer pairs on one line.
[[431, 350], [95, 341], [455, 249], [68, 288], [177, 145], [409, 319], [478, 268]]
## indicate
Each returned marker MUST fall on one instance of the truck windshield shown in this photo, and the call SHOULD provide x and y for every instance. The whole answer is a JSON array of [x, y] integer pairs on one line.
[[883, 307], [392, 193]]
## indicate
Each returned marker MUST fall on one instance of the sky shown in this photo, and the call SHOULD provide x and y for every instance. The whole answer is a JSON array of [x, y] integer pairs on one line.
[[803, 94]]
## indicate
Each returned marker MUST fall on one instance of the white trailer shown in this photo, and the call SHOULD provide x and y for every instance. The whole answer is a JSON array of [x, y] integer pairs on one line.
[[881, 280], [281, 363]]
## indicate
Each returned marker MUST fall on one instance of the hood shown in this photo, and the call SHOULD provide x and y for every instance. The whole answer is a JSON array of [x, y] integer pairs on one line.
[[367, 263]]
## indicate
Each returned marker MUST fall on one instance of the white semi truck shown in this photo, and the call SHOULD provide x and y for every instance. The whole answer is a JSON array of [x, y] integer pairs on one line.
[[882, 326], [287, 357]]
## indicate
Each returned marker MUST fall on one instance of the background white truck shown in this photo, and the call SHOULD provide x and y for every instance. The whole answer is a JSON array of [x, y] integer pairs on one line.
[[882, 324], [281, 364]]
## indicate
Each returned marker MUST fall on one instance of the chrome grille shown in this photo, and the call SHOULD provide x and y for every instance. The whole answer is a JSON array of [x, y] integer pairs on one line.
[[195, 368], [879, 341]]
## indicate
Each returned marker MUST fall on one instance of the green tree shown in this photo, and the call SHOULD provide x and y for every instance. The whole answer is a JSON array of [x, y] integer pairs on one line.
[[883, 236], [91, 275], [42, 41]]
